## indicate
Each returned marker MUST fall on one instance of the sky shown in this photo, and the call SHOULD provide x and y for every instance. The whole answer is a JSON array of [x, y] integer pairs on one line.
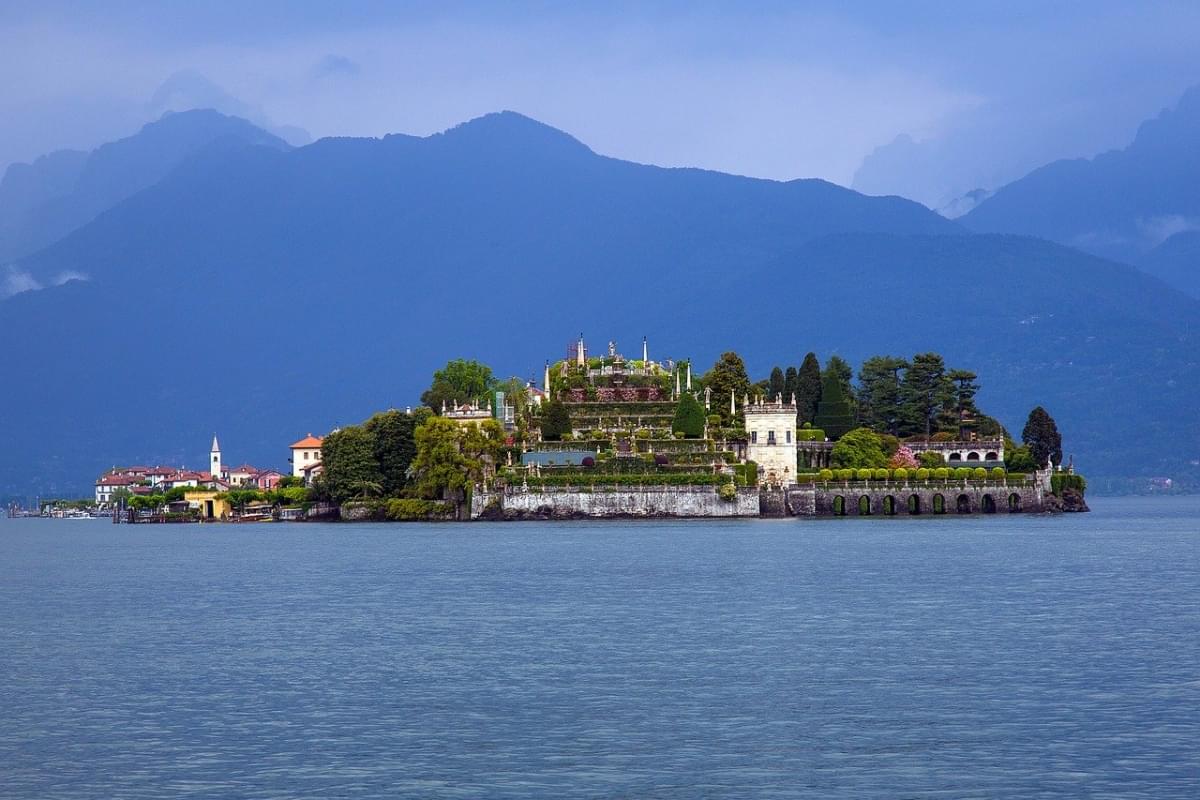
[[924, 99]]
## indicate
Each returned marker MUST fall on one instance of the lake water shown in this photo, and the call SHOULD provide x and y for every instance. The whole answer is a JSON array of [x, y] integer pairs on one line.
[[1006, 656]]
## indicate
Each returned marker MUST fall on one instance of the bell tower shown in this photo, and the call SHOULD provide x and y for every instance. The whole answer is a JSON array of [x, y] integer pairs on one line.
[[214, 461]]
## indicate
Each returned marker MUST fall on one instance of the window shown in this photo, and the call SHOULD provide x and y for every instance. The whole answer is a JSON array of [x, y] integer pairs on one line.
[[789, 437], [306, 455], [753, 437], [770, 437]]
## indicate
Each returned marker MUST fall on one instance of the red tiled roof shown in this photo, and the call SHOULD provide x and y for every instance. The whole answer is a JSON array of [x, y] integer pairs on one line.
[[117, 480], [308, 441], [310, 467]]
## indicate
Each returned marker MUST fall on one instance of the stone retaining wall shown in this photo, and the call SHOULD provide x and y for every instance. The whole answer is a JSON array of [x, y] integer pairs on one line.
[[915, 499], [631, 501]]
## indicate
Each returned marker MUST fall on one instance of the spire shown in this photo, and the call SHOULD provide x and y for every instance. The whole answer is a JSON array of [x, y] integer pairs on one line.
[[645, 352], [677, 383], [689, 375], [732, 406], [216, 447], [546, 379]]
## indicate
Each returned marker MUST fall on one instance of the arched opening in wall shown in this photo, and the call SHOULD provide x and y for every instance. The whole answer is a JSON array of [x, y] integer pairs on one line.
[[993, 456], [839, 506], [864, 506], [989, 504], [956, 456], [972, 456], [939, 504], [914, 504], [963, 504], [889, 506], [1014, 503]]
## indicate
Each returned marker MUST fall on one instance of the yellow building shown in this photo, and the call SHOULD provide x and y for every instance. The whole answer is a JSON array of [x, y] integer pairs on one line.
[[208, 504]]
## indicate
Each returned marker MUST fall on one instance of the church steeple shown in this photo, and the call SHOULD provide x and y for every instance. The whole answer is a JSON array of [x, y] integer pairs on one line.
[[214, 461]]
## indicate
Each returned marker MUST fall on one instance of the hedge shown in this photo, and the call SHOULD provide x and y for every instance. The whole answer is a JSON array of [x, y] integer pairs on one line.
[[810, 435], [1060, 481], [402, 510], [661, 479]]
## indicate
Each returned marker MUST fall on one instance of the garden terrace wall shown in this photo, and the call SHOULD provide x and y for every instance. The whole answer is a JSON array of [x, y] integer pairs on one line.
[[644, 501], [894, 498]]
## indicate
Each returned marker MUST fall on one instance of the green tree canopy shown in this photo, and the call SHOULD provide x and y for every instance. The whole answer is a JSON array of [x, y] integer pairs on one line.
[[789, 383], [808, 388], [460, 381], [775, 384], [555, 421], [924, 393], [833, 412], [860, 448], [393, 435], [879, 381], [347, 460], [452, 457], [689, 417], [964, 390], [727, 376], [1042, 438], [845, 374]]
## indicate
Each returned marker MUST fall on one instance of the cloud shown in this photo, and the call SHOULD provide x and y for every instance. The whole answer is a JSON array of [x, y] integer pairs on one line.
[[334, 66], [14, 280], [1158, 229]]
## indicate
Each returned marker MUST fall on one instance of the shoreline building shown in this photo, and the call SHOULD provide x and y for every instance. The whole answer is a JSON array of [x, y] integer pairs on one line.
[[306, 456], [771, 435]]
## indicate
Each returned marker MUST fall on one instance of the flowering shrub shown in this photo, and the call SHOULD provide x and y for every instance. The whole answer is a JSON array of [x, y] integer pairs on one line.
[[903, 458]]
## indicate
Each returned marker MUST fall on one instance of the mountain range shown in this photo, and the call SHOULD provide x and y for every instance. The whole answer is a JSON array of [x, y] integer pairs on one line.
[[261, 292], [1128, 205]]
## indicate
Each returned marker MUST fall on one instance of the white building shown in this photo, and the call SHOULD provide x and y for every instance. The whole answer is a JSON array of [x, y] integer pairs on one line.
[[306, 454], [771, 431]]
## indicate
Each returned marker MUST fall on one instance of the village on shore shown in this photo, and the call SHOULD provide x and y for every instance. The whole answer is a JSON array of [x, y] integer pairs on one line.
[[607, 436]]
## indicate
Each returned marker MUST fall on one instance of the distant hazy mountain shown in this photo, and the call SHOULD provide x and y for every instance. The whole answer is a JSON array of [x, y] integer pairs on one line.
[[42, 202], [1119, 204], [1177, 262], [961, 205], [262, 293]]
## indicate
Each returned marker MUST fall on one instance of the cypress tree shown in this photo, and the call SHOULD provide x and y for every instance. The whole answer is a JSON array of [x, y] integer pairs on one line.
[[775, 384], [808, 388], [833, 411], [689, 417], [1042, 438], [789, 383], [555, 421]]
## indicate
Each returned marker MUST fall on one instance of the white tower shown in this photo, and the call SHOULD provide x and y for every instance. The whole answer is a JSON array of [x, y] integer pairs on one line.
[[645, 352], [214, 461]]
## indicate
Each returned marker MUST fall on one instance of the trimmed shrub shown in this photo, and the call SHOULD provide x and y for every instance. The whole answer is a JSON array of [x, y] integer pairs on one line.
[[998, 473], [714, 421], [642, 433], [864, 474], [979, 474], [923, 473], [689, 418], [826, 474], [941, 473], [880, 474], [942, 436], [810, 434], [962, 473], [931, 459], [900, 474], [727, 492], [845, 474]]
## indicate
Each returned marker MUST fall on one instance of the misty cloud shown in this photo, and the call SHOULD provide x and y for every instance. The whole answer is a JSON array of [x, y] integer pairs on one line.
[[14, 280]]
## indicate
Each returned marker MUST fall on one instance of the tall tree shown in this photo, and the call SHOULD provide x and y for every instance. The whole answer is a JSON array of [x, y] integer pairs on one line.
[[555, 420], [460, 381], [689, 417], [775, 384], [727, 376], [1042, 438], [879, 382], [348, 461], [789, 383], [965, 389], [808, 388], [925, 391], [451, 458], [833, 411], [394, 446]]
